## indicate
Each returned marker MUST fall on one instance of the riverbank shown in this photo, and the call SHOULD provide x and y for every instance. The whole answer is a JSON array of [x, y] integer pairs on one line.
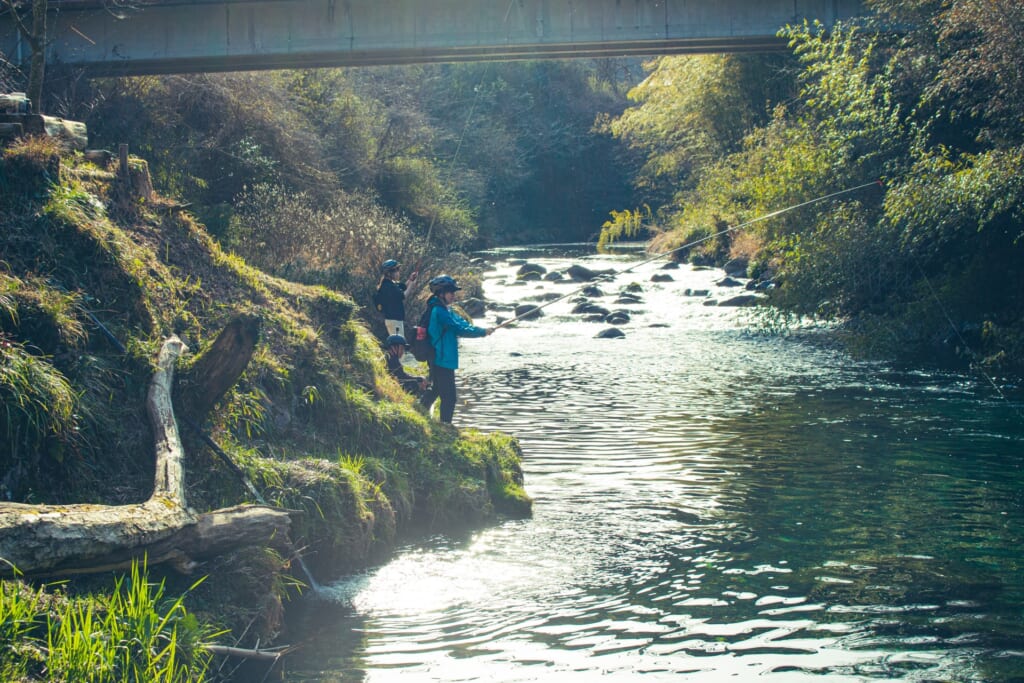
[[98, 272]]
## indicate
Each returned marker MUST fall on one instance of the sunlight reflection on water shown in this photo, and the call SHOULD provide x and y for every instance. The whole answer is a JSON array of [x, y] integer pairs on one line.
[[709, 505]]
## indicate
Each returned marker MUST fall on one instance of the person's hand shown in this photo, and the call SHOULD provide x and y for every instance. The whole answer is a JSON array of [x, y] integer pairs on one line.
[[412, 276], [490, 331], [423, 383]]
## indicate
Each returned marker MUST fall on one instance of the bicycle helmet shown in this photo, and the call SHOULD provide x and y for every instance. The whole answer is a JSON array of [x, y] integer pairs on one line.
[[444, 283], [390, 264], [396, 339]]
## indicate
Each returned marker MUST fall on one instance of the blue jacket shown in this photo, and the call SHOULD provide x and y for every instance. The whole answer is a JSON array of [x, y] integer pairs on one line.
[[445, 328]]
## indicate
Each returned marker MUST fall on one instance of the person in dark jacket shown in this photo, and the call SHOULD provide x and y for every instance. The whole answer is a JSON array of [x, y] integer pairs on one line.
[[390, 297], [394, 347], [444, 329]]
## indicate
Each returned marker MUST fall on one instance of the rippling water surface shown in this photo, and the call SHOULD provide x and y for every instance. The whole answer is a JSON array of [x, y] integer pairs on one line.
[[709, 505]]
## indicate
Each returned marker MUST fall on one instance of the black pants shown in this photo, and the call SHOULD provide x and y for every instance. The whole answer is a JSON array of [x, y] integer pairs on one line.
[[442, 385]]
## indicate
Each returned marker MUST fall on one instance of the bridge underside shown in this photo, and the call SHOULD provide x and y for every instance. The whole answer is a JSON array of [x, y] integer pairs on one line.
[[255, 62], [174, 36]]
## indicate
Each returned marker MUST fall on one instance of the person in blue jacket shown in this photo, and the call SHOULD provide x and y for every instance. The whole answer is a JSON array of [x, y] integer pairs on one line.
[[445, 328]]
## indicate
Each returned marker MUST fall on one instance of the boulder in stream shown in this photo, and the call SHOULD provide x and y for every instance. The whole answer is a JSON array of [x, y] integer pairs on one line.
[[741, 300], [584, 274], [528, 311], [474, 307], [610, 333]]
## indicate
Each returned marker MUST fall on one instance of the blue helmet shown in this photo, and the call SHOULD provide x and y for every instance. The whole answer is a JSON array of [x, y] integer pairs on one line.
[[395, 340], [390, 264], [444, 283]]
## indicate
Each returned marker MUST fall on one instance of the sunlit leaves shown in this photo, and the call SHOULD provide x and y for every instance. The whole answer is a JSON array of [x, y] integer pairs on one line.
[[945, 201], [624, 224], [693, 110]]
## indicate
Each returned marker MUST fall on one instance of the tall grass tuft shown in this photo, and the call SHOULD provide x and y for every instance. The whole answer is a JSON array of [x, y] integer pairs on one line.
[[20, 609], [133, 635], [36, 400]]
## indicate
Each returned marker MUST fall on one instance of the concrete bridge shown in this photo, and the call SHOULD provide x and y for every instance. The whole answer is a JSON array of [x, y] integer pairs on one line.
[[183, 36]]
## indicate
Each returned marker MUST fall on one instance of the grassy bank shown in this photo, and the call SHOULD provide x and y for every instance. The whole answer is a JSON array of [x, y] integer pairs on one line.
[[95, 272]]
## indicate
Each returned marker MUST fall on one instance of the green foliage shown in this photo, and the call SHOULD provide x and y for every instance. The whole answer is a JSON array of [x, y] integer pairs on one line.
[[461, 152], [942, 206], [133, 635], [37, 415], [928, 110], [624, 224], [694, 110], [21, 612], [30, 168]]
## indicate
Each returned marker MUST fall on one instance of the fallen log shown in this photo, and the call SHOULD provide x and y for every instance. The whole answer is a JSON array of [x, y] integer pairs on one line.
[[46, 540]]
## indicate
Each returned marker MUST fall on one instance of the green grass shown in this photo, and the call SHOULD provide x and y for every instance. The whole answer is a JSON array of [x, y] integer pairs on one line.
[[134, 634]]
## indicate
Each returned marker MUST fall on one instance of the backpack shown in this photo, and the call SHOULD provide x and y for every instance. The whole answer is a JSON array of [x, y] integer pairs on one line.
[[377, 303], [420, 344]]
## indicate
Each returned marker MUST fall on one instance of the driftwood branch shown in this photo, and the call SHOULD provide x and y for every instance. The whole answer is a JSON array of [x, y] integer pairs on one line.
[[217, 368], [170, 479], [64, 539], [244, 653]]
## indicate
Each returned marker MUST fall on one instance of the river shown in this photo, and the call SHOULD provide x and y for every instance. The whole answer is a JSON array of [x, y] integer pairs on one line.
[[710, 504]]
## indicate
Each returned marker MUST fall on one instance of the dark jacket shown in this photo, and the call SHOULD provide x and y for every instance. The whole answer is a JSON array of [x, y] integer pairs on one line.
[[391, 298], [410, 383]]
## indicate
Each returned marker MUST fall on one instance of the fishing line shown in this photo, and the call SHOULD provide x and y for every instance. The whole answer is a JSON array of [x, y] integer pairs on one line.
[[975, 366], [465, 128], [421, 257], [764, 217]]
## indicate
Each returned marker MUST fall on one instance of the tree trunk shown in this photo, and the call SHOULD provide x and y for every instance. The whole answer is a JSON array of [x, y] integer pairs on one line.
[[38, 65], [63, 539], [217, 369]]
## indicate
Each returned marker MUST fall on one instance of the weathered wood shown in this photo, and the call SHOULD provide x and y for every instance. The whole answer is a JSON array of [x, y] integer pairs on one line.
[[122, 156], [217, 368], [170, 478], [243, 653], [64, 539], [50, 539]]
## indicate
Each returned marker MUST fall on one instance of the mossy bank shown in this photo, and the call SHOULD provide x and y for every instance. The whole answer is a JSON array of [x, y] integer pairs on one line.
[[95, 272]]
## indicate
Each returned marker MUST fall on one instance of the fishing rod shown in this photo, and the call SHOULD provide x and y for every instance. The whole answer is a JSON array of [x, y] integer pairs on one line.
[[611, 276]]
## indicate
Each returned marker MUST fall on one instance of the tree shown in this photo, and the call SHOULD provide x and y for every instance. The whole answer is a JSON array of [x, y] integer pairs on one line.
[[693, 110], [35, 35]]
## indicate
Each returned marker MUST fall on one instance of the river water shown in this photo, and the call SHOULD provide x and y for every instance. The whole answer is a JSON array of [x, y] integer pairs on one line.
[[710, 504]]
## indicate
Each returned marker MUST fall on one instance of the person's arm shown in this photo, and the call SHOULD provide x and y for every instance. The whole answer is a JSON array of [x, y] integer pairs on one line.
[[461, 326], [397, 370]]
